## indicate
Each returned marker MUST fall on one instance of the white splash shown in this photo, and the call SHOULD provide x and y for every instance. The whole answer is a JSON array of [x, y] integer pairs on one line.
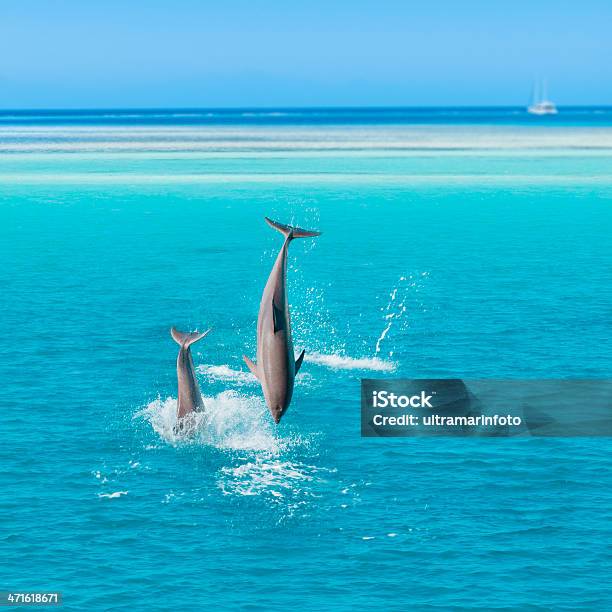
[[383, 335], [279, 480], [113, 495], [226, 374], [231, 420], [396, 308], [259, 460], [344, 362]]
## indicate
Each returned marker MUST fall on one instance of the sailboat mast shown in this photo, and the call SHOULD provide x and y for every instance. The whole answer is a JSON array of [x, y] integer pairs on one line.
[[536, 91]]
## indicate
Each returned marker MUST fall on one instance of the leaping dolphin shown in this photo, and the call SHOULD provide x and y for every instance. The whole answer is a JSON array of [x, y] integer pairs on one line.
[[189, 396], [276, 363]]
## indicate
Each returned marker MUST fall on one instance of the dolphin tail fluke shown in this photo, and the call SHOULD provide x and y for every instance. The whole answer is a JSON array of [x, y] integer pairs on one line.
[[186, 339], [289, 231], [298, 361], [251, 366]]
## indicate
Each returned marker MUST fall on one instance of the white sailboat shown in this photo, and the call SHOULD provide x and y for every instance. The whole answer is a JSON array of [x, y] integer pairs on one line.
[[541, 105]]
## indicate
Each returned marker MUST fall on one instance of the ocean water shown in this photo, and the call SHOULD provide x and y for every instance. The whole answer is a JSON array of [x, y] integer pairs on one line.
[[468, 243]]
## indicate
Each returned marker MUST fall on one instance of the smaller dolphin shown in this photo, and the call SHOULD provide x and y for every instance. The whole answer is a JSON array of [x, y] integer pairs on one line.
[[189, 396], [276, 363]]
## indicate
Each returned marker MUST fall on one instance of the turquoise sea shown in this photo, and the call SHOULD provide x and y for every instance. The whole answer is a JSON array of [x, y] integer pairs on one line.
[[472, 243]]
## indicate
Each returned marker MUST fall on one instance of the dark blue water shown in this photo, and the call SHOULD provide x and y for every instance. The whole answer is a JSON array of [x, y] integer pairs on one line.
[[491, 259]]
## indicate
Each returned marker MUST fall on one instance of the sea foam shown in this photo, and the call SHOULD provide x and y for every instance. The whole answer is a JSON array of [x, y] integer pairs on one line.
[[259, 461], [344, 362], [230, 421], [225, 373]]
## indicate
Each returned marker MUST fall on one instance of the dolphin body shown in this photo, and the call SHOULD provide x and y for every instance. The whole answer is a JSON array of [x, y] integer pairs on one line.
[[276, 364], [189, 396]]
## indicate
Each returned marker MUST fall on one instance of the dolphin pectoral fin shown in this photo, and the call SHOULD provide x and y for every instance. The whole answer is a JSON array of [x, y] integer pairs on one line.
[[298, 361], [279, 318], [251, 365]]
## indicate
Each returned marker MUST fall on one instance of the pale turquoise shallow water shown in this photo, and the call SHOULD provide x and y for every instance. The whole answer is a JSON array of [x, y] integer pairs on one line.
[[448, 250]]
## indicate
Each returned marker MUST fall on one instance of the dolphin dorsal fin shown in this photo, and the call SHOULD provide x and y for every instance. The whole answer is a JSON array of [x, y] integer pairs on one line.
[[299, 360], [279, 318], [186, 339]]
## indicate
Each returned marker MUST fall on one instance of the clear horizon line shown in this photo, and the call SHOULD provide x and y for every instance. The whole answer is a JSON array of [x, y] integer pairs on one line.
[[290, 108]]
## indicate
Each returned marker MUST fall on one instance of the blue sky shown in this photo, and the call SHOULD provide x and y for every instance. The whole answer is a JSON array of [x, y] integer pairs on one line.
[[183, 53]]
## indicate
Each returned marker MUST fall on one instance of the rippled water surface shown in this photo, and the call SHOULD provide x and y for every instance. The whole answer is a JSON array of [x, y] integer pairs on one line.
[[471, 247]]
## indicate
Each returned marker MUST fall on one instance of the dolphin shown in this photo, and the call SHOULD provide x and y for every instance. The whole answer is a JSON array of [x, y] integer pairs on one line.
[[189, 396], [276, 363]]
